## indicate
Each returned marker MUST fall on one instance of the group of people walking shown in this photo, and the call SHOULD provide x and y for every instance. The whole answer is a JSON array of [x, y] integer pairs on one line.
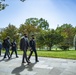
[[7, 45], [24, 45]]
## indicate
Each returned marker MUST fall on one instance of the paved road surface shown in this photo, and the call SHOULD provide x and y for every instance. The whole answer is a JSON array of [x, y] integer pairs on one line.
[[45, 66]]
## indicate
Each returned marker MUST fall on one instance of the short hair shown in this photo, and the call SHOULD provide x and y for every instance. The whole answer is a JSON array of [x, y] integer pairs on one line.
[[32, 35], [25, 35], [33, 38], [8, 37]]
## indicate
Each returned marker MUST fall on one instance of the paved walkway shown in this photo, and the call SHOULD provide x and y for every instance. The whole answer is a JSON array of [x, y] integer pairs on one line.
[[45, 66]]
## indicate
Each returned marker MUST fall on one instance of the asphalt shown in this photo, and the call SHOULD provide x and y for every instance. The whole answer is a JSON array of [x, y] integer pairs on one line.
[[45, 66]]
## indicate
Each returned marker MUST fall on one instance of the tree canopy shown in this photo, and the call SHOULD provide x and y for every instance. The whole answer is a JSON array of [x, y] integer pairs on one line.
[[61, 37], [4, 5]]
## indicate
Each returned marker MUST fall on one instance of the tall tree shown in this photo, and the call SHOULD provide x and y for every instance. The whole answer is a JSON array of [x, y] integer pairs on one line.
[[10, 31], [67, 31], [28, 28], [43, 24], [40, 23], [49, 38], [52, 38], [32, 21], [33, 26], [40, 39]]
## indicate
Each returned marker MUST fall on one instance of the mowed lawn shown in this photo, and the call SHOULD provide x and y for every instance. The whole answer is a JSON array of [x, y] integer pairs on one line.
[[70, 54]]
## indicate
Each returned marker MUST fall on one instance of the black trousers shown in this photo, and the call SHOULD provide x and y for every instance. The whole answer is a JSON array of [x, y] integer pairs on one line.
[[7, 53], [35, 52], [0, 51], [15, 52], [24, 56]]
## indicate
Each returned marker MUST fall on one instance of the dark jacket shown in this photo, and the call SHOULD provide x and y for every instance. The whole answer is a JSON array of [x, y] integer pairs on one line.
[[24, 44], [13, 45], [0, 45], [32, 44], [6, 43]]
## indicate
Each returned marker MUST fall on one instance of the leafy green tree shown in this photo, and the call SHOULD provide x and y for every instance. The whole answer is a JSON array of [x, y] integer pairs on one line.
[[39, 23], [32, 21], [29, 29], [49, 38], [74, 40], [40, 39], [33, 26], [0, 35], [52, 38], [4, 5], [67, 31], [43, 24], [10, 31]]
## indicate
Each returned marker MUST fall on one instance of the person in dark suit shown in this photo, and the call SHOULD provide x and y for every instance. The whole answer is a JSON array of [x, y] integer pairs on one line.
[[14, 48], [32, 44], [6, 45], [24, 46], [0, 47]]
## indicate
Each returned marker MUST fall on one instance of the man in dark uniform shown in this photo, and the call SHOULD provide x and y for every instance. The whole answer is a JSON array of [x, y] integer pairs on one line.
[[6, 45], [32, 44], [14, 48], [0, 47], [24, 46]]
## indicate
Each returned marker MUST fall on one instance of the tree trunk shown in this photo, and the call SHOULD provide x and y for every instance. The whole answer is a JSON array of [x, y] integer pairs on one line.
[[50, 48]]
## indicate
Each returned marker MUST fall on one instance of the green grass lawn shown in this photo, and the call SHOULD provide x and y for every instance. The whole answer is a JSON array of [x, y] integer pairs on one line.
[[71, 54], [59, 54], [56, 54]]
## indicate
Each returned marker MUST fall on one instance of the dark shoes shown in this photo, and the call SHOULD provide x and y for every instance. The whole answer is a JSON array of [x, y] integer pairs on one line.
[[37, 61], [17, 57], [8, 58], [23, 62], [28, 62], [4, 57]]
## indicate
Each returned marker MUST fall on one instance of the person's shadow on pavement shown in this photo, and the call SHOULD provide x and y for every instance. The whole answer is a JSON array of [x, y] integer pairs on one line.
[[19, 69], [30, 66]]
